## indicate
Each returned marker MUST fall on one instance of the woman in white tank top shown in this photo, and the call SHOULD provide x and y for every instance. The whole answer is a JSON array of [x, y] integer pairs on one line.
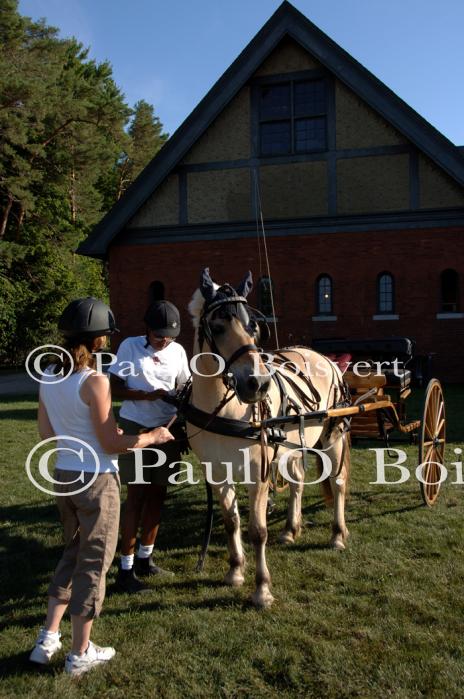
[[86, 481]]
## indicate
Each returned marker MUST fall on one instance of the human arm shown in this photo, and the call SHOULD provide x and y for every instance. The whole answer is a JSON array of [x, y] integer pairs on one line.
[[121, 391], [96, 393]]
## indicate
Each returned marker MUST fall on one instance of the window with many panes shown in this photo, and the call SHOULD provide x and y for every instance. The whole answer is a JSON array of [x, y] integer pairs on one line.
[[324, 295], [385, 293], [292, 117]]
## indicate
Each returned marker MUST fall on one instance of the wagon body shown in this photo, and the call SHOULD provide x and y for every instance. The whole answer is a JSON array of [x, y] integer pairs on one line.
[[380, 382]]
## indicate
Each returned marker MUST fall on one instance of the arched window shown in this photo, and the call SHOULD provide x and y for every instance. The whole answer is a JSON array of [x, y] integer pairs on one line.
[[265, 296], [385, 293], [449, 288], [324, 294], [156, 292]]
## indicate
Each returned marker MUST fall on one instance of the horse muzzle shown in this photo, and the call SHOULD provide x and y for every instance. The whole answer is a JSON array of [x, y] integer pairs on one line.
[[249, 388]]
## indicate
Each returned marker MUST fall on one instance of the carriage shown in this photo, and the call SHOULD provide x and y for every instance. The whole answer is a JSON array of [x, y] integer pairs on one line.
[[380, 386]]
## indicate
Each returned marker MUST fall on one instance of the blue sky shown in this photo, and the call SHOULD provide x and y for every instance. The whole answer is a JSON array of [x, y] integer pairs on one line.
[[171, 52]]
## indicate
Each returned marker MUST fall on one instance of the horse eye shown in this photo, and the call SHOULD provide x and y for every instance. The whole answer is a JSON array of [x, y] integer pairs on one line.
[[253, 327], [217, 328]]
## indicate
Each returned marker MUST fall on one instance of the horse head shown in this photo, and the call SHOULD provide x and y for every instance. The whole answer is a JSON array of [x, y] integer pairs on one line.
[[231, 329]]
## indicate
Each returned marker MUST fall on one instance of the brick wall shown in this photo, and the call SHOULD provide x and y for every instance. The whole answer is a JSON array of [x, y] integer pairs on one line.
[[353, 260]]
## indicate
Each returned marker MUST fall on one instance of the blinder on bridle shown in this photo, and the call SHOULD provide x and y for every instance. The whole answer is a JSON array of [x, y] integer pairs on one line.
[[227, 303]]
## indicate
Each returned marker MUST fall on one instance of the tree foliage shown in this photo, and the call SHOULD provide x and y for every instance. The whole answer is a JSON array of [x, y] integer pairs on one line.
[[69, 148]]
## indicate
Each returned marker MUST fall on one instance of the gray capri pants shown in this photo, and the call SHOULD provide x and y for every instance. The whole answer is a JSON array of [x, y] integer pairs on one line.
[[90, 520]]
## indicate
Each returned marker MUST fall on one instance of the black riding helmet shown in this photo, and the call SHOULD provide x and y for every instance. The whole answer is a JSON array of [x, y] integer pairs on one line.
[[163, 318], [88, 317]]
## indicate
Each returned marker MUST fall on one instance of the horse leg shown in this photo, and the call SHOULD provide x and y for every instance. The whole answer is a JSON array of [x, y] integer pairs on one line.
[[257, 530], [292, 527], [339, 452], [228, 501]]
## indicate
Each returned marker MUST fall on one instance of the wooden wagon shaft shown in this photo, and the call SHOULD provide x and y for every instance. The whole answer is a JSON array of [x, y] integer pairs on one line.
[[319, 415]]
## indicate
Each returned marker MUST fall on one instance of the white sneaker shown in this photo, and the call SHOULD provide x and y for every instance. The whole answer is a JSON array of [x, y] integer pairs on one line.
[[46, 646], [93, 656]]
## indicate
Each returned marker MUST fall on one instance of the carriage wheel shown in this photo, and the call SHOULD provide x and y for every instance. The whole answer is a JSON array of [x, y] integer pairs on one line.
[[432, 441]]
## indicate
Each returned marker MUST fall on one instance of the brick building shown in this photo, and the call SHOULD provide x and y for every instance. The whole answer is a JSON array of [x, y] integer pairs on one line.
[[362, 203]]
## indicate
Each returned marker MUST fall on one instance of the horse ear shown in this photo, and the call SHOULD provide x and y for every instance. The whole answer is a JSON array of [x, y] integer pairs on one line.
[[246, 285], [207, 286]]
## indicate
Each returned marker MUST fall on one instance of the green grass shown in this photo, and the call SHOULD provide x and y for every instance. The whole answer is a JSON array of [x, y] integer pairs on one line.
[[383, 619]]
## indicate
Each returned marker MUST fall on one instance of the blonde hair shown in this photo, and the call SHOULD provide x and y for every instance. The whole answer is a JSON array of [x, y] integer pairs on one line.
[[80, 350]]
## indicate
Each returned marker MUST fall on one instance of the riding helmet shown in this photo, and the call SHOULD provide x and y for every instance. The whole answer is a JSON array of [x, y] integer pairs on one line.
[[88, 317], [163, 318]]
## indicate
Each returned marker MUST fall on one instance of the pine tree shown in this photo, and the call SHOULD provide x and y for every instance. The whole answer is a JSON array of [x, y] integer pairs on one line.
[[64, 149]]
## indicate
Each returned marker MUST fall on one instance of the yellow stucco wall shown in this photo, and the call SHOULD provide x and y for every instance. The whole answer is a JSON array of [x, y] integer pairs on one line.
[[161, 208], [228, 137], [287, 57], [294, 190], [359, 126], [373, 184], [219, 195], [437, 189]]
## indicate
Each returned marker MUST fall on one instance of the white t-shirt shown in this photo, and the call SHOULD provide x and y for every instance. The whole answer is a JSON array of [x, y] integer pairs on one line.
[[144, 369]]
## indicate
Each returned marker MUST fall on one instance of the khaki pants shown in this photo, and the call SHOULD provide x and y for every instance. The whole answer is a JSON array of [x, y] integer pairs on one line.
[[91, 521]]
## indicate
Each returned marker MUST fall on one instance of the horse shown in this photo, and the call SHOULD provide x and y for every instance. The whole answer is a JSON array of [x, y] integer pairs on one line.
[[232, 386]]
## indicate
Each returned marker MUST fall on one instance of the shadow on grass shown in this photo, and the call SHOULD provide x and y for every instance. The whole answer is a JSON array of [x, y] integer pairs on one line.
[[29, 562], [20, 664], [19, 414]]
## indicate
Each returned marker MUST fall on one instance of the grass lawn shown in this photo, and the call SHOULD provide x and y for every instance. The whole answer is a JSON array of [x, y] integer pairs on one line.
[[385, 618]]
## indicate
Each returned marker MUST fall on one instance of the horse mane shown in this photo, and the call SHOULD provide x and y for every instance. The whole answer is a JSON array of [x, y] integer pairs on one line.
[[196, 304]]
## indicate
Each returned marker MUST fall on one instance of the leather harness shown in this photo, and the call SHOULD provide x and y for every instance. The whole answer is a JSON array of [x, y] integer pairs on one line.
[[267, 430]]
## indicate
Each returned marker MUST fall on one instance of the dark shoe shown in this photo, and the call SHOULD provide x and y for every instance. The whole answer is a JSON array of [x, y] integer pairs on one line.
[[146, 567], [127, 581]]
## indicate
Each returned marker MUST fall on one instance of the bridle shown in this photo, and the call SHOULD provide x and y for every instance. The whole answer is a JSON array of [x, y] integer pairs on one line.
[[251, 319]]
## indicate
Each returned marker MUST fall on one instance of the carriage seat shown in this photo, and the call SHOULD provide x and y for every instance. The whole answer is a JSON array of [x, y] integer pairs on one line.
[[343, 361], [401, 379]]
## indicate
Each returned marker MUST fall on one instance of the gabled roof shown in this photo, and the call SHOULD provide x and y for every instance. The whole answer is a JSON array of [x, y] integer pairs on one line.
[[287, 20]]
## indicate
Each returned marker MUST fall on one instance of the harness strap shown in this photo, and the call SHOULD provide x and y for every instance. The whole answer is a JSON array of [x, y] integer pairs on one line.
[[238, 353], [228, 427], [265, 465], [282, 359], [301, 431], [220, 425]]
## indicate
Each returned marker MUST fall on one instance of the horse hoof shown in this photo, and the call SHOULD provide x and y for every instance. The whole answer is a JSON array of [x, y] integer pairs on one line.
[[337, 544], [262, 600], [234, 579], [286, 538]]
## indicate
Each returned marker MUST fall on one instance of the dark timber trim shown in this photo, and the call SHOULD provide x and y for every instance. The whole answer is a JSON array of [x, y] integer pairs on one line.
[[414, 182], [183, 197], [296, 227], [298, 158], [332, 145]]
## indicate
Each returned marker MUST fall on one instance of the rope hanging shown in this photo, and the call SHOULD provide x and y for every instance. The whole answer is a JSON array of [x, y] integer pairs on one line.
[[260, 225]]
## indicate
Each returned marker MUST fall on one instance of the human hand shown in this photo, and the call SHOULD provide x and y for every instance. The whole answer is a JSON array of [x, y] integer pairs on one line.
[[161, 435]]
